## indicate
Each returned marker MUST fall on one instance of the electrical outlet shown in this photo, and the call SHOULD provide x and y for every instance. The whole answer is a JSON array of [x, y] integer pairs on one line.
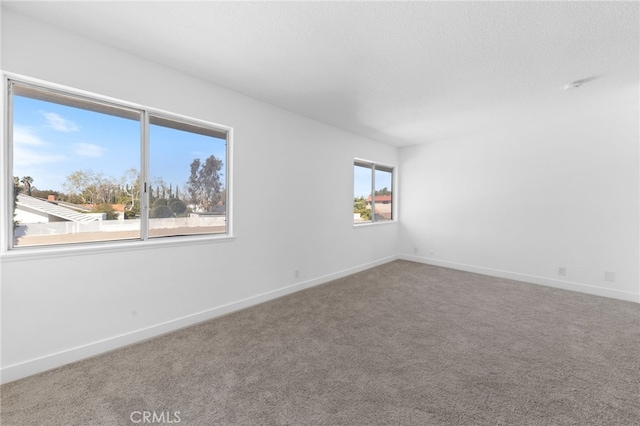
[[296, 273], [562, 270], [609, 276], [415, 249]]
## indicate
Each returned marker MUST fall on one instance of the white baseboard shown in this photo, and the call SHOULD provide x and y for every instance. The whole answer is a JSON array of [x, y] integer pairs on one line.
[[27, 368], [532, 279]]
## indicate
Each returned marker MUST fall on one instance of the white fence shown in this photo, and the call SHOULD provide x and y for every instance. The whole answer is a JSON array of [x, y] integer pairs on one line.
[[65, 228]]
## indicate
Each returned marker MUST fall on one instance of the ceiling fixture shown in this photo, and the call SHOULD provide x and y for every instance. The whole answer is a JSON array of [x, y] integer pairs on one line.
[[579, 83]]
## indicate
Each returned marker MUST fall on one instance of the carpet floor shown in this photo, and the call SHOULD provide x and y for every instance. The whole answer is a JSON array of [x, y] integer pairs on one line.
[[400, 344]]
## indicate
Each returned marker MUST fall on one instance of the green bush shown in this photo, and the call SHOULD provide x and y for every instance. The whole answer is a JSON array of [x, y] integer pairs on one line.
[[178, 207], [161, 211], [360, 207]]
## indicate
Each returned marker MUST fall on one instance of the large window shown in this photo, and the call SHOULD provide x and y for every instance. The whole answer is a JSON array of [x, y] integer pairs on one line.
[[372, 192], [86, 169]]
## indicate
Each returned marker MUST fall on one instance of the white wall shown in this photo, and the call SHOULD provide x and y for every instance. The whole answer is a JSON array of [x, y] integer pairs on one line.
[[57, 309], [23, 215], [519, 199]]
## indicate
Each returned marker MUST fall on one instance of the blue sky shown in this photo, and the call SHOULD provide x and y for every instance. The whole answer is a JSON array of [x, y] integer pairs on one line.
[[51, 141], [362, 181]]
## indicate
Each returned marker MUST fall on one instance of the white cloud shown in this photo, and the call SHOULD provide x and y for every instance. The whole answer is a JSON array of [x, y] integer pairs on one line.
[[26, 136], [56, 122], [89, 150]]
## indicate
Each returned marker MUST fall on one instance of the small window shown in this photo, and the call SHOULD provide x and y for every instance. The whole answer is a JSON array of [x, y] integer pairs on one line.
[[88, 170], [372, 192]]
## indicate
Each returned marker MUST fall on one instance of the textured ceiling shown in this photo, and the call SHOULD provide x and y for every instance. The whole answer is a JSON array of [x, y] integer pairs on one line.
[[398, 72]]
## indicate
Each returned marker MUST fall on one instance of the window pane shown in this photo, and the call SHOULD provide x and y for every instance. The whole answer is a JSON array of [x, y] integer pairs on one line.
[[383, 195], [187, 176], [361, 194], [372, 192], [75, 168]]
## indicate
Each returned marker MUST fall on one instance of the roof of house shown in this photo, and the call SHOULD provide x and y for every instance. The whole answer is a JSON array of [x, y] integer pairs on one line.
[[380, 198], [53, 209]]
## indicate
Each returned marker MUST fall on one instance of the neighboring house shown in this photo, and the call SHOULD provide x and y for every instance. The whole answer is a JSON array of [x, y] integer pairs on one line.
[[383, 206], [35, 210], [380, 199]]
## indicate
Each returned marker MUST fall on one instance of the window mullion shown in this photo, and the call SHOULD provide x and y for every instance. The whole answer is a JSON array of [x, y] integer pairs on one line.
[[144, 176], [9, 189], [393, 191], [373, 193], [228, 195]]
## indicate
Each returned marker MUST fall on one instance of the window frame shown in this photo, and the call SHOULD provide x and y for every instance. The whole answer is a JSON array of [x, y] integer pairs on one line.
[[8, 250], [373, 166]]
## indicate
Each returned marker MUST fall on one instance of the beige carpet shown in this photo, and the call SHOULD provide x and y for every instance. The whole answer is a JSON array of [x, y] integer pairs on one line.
[[400, 344]]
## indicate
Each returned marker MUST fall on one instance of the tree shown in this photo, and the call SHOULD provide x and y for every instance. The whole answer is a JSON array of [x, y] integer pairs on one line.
[[26, 182], [222, 197], [204, 185], [161, 211], [44, 193], [161, 188], [106, 208], [81, 183], [177, 206], [130, 190], [88, 187], [360, 207], [383, 191], [152, 197], [193, 186], [105, 189]]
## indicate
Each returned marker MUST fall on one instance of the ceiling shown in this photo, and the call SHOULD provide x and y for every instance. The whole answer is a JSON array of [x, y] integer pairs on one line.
[[401, 73]]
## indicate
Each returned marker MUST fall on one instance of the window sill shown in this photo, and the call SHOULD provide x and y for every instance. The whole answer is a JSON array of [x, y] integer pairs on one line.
[[33, 253], [368, 224]]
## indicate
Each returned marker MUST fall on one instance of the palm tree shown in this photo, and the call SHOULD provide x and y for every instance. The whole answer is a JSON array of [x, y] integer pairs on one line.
[[26, 182]]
